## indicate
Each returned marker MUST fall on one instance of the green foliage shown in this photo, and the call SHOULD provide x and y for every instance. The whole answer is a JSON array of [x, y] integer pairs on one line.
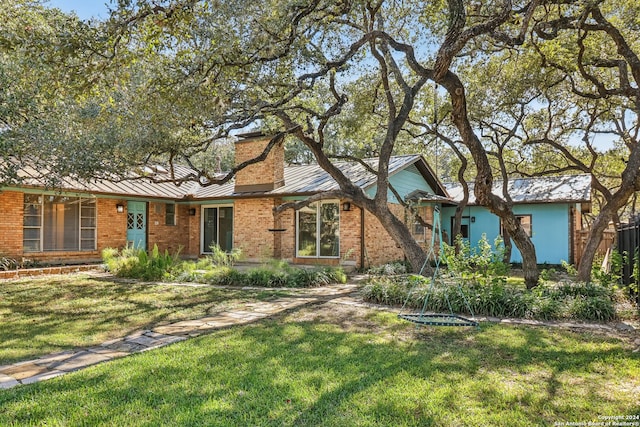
[[569, 268], [483, 260], [219, 257], [8, 264], [613, 276], [389, 269], [216, 269], [289, 277], [138, 264], [496, 298]]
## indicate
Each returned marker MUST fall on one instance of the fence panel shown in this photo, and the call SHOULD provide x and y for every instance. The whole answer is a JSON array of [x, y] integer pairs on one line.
[[628, 242]]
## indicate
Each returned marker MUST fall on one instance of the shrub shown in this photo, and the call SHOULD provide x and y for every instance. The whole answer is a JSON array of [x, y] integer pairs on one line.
[[494, 298], [137, 264], [9, 263], [484, 259], [593, 308], [389, 269]]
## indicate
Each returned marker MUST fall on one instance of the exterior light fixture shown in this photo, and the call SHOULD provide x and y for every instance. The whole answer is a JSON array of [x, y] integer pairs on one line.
[[346, 206], [192, 212], [473, 219], [119, 208]]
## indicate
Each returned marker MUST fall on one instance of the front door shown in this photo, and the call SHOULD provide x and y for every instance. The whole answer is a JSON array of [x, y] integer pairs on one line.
[[137, 224], [217, 228]]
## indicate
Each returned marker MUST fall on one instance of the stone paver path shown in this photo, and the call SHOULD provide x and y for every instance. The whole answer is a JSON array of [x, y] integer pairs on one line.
[[54, 365]]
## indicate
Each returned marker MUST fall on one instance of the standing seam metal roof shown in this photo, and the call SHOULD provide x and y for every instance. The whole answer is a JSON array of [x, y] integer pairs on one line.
[[299, 179], [552, 189]]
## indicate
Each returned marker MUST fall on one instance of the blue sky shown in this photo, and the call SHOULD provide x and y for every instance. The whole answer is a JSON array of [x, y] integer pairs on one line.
[[85, 9]]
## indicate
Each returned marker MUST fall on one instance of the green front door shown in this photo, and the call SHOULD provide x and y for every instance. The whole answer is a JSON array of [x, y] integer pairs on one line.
[[137, 224]]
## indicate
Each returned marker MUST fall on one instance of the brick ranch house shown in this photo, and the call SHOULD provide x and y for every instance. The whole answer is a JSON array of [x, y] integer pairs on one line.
[[74, 223]]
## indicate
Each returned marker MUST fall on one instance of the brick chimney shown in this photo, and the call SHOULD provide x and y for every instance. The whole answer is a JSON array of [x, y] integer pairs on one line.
[[266, 175]]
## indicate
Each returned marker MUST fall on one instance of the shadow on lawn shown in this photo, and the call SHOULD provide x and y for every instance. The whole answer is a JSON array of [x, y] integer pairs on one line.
[[309, 373], [45, 316]]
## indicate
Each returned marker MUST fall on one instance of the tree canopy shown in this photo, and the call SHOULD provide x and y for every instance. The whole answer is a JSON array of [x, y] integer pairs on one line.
[[510, 87]]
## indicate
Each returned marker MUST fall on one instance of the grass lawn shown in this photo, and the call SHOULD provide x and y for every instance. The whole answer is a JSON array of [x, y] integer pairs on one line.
[[337, 365], [50, 314]]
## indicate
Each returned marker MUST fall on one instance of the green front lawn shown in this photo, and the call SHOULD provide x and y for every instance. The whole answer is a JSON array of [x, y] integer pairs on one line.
[[55, 313], [340, 366]]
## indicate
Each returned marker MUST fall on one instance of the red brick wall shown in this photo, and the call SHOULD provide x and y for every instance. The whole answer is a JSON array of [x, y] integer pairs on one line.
[[286, 220], [111, 225], [379, 246], [11, 209], [350, 240], [269, 171], [252, 219], [168, 237], [193, 249]]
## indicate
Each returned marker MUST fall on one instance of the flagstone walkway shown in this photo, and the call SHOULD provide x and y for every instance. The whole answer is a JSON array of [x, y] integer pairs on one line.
[[54, 365]]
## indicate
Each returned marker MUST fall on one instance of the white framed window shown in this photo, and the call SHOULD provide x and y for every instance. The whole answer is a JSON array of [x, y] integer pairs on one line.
[[58, 223], [217, 227], [318, 230]]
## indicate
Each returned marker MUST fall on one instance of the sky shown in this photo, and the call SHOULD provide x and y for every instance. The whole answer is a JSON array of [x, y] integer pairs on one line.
[[85, 9]]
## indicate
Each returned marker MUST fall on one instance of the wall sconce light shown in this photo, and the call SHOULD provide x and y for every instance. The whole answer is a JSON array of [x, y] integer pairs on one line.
[[119, 208], [473, 219], [192, 211], [346, 206]]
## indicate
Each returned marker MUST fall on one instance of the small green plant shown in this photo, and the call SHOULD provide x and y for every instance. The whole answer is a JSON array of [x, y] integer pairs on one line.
[[548, 274], [219, 257], [612, 275], [138, 264], [497, 298], [8, 264], [389, 269], [569, 268], [484, 260]]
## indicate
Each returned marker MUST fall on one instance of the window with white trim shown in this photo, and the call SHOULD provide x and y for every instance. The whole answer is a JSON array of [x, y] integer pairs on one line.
[[318, 230], [58, 223]]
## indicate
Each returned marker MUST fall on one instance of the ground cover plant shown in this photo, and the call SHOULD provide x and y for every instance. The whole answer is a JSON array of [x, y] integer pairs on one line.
[[49, 314], [339, 365], [216, 268], [475, 281], [497, 297]]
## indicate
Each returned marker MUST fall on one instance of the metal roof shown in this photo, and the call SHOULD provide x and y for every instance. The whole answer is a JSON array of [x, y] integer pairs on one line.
[[299, 179], [551, 189]]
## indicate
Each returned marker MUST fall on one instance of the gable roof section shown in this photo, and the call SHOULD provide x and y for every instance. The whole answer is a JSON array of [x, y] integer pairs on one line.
[[302, 179], [309, 179], [551, 189]]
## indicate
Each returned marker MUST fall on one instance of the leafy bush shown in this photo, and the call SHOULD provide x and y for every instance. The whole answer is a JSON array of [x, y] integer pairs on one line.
[[137, 264], [614, 273], [494, 298], [484, 260], [215, 269], [9, 263], [389, 269]]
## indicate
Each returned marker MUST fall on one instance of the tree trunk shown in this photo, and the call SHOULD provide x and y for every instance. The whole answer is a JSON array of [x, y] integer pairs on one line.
[[484, 178], [508, 247], [591, 248], [401, 235]]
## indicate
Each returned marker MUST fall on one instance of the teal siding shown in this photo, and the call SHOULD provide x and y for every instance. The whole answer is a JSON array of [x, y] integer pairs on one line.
[[550, 228], [405, 181]]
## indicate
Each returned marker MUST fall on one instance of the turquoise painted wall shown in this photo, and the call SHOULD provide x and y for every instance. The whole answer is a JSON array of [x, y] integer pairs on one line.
[[405, 181], [549, 225]]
